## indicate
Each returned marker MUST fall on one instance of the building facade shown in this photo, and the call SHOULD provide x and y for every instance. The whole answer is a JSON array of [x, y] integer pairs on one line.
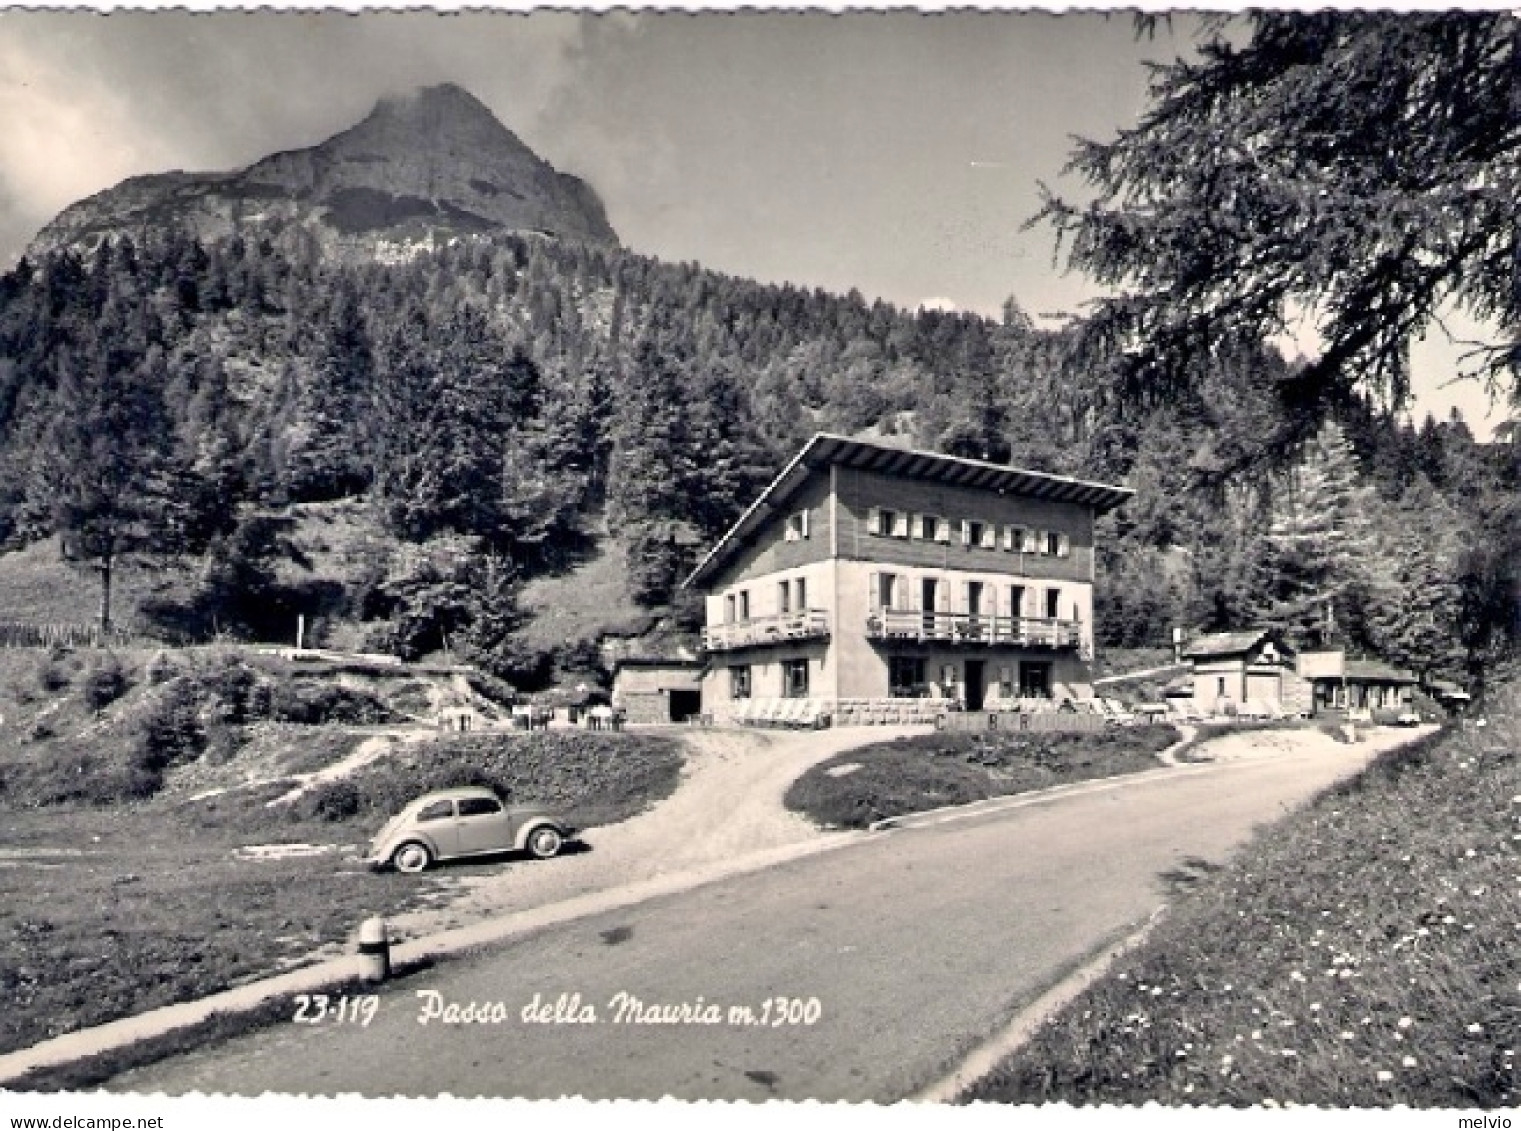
[[869, 574]]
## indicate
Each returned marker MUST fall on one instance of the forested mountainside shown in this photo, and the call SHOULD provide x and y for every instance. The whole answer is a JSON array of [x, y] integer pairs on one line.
[[495, 402]]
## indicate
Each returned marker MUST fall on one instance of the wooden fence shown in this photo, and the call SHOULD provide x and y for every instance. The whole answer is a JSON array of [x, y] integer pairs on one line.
[[62, 635]]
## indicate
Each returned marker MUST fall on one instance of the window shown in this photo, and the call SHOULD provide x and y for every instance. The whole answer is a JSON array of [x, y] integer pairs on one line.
[[729, 609], [795, 679], [1013, 538], [1053, 543], [974, 598], [905, 677], [1035, 680], [1016, 600], [1029, 542], [784, 597], [972, 532], [800, 587], [928, 527], [739, 681], [1220, 688], [797, 526], [744, 604], [1006, 683], [885, 591], [891, 523], [478, 806], [1053, 603], [438, 811]]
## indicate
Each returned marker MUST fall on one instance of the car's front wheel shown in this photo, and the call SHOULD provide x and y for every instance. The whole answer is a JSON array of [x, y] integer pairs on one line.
[[544, 842], [411, 857]]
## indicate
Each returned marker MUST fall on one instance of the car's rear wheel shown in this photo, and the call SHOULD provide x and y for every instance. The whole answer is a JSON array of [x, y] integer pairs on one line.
[[544, 842], [411, 857]]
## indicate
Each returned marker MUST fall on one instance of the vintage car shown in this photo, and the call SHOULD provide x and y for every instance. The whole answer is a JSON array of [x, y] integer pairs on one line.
[[467, 821]]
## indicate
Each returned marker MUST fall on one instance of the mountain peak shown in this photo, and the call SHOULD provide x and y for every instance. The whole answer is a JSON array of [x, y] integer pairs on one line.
[[431, 162]]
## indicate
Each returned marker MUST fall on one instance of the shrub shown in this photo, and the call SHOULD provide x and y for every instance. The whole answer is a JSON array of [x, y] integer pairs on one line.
[[104, 682], [161, 669], [171, 731], [53, 673], [335, 801], [294, 701]]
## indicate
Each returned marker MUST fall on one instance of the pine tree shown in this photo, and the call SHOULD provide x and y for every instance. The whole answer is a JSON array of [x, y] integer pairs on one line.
[[1316, 557], [1414, 616]]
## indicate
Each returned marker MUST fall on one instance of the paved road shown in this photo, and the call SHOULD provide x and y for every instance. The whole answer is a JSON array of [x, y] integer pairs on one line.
[[916, 943]]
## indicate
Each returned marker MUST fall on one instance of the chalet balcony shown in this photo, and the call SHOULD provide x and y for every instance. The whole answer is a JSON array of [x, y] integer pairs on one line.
[[806, 624], [973, 628]]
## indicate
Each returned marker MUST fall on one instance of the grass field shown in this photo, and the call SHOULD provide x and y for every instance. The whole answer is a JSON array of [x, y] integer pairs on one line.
[[1364, 952], [109, 910], [911, 775]]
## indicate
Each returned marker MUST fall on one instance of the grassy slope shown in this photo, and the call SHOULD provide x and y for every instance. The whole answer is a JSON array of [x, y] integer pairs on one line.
[[584, 603], [37, 587], [111, 910], [1364, 952], [929, 771]]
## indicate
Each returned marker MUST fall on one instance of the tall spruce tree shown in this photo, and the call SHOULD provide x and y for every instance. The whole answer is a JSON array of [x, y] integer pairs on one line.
[[1313, 576]]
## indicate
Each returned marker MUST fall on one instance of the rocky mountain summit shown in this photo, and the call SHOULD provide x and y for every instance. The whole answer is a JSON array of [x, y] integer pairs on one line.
[[420, 169]]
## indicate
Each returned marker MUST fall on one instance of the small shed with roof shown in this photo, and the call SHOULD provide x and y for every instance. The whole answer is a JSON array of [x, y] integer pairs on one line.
[[1237, 667], [1342, 684], [658, 689]]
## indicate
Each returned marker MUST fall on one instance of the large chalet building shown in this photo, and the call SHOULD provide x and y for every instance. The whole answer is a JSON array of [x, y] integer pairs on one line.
[[868, 577]]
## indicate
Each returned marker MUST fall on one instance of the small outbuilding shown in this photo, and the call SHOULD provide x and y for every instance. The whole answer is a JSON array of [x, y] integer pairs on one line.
[[658, 689], [1341, 684], [1240, 667]]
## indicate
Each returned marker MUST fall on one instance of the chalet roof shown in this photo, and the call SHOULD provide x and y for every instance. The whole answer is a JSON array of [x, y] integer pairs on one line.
[[1377, 671], [1217, 644], [825, 450]]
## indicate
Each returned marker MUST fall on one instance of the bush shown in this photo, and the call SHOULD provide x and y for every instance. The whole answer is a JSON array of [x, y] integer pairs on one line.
[[54, 673], [293, 701], [335, 801], [161, 669], [104, 683], [171, 732]]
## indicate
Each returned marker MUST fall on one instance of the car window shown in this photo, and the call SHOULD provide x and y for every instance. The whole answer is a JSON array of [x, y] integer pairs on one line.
[[438, 811], [478, 806]]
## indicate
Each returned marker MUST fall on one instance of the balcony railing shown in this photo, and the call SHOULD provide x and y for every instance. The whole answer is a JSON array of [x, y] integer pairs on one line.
[[806, 624], [974, 628]]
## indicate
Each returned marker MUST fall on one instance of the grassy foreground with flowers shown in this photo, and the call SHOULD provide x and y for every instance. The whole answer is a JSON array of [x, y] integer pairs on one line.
[[1363, 952]]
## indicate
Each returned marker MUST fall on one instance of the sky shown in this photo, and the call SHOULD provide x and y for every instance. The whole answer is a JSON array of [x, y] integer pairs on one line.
[[899, 154]]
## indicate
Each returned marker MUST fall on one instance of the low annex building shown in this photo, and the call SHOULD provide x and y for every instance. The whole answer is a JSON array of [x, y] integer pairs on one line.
[[868, 576], [653, 689]]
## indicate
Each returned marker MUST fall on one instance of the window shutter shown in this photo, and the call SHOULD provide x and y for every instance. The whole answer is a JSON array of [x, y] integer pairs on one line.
[[1008, 538], [1063, 546], [942, 530], [803, 523], [874, 591], [874, 521], [1028, 542], [990, 537], [1042, 542], [900, 525], [915, 528], [966, 598], [966, 533]]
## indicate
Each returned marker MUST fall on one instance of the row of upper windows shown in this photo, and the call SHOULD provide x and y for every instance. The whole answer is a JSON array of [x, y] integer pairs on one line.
[[791, 597], [896, 592], [973, 532]]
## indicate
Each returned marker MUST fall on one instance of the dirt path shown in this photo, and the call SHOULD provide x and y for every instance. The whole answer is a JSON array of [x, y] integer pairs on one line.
[[728, 804], [1229, 747]]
